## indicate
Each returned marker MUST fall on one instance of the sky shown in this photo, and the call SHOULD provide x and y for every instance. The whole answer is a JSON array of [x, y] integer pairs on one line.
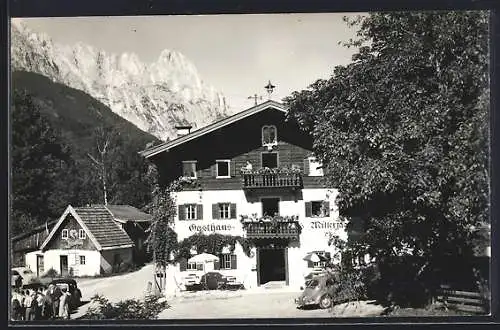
[[236, 54]]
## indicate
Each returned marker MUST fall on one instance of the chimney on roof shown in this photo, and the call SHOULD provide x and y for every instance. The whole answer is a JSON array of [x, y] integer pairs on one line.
[[183, 130]]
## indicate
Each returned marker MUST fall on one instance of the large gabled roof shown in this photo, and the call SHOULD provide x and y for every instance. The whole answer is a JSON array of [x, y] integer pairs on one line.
[[99, 225], [212, 127]]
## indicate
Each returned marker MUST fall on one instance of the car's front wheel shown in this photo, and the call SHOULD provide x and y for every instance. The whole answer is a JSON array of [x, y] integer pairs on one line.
[[325, 301]]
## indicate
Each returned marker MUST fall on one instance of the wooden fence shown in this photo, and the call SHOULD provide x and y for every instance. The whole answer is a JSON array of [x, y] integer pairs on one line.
[[465, 301]]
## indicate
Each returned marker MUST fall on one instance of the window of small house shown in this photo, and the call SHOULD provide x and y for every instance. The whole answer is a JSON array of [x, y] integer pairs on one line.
[[224, 211], [64, 234], [82, 260], [269, 135], [223, 167], [189, 169], [190, 211], [82, 234], [270, 159]]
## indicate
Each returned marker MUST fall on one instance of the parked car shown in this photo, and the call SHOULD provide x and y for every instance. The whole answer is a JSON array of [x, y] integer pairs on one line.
[[24, 274], [212, 280], [34, 286], [72, 287], [192, 281], [318, 291]]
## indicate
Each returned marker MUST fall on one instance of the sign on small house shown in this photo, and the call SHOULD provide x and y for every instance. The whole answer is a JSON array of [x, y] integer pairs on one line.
[[75, 239]]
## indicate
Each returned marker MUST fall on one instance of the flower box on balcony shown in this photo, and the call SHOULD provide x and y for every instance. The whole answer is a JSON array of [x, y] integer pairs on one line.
[[268, 227], [272, 178]]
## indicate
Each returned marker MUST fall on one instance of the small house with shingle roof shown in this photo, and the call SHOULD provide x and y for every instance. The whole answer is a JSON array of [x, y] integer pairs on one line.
[[87, 241]]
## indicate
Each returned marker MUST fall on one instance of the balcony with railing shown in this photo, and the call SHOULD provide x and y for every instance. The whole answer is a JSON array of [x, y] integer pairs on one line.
[[272, 227], [272, 178]]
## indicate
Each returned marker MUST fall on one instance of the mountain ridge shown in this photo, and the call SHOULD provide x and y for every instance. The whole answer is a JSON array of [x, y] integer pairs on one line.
[[154, 97]]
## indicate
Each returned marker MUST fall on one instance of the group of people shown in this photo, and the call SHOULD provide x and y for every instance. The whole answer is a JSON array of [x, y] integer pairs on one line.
[[42, 304]]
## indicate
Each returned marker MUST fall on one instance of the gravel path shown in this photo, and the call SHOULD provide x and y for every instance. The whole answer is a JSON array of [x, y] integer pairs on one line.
[[256, 303], [271, 304]]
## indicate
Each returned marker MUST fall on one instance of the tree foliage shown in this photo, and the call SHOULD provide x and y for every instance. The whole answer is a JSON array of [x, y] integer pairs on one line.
[[131, 309], [162, 239], [402, 132], [54, 164], [41, 161], [213, 243]]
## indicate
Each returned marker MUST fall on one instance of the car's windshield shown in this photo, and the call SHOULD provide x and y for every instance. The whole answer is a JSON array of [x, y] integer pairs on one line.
[[14, 272], [312, 283]]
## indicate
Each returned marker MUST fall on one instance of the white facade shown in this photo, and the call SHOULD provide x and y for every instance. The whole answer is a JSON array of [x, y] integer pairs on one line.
[[314, 236], [51, 259]]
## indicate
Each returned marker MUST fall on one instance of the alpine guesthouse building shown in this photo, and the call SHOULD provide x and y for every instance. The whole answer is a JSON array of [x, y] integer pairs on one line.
[[252, 167]]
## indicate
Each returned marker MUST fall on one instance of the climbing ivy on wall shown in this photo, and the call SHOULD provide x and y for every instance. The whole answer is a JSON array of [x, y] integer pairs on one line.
[[163, 240], [213, 244]]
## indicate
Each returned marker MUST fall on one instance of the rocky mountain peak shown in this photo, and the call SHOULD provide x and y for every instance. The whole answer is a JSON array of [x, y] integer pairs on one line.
[[153, 96]]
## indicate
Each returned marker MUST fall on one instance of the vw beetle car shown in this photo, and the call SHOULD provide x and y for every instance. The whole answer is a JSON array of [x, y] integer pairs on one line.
[[318, 291]]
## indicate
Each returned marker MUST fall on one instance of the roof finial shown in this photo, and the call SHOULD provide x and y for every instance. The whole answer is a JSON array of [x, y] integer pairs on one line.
[[270, 88]]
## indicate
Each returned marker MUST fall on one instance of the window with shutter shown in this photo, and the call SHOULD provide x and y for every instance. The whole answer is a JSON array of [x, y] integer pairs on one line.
[[216, 265], [189, 169], [233, 168], [215, 211], [199, 266], [308, 209], [233, 261], [190, 211], [225, 261], [223, 168], [199, 212], [224, 211], [183, 264], [233, 211], [306, 166], [182, 212]]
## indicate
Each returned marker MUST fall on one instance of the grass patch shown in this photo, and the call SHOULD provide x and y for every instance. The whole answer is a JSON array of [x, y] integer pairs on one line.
[[427, 311]]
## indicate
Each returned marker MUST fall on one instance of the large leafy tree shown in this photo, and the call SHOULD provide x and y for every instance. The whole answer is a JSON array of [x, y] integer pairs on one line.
[[402, 132], [44, 178]]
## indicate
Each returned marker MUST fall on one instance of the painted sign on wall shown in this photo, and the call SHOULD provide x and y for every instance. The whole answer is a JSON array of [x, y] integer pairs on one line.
[[73, 240], [211, 227]]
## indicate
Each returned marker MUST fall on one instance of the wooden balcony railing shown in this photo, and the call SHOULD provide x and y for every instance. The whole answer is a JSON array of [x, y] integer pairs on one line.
[[271, 180], [270, 229]]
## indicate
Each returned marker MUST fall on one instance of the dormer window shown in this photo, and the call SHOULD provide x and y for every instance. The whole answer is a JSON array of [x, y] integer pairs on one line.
[[269, 135], [189, 169]]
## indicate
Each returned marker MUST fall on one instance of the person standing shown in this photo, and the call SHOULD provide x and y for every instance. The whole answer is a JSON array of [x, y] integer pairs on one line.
[[55, 293], [29, 306], [16, 311], [47, 309], [39, 304], [64, 304]]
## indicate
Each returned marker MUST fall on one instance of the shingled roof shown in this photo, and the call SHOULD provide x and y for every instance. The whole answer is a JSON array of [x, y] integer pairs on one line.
[[99, 225], [124, 213], [102, 226]]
